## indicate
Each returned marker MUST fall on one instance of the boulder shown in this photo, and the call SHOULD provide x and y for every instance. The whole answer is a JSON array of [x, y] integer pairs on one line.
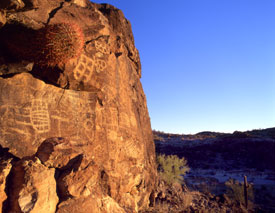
[[90, 204], [32, 188], [5, 168], [86, 119]]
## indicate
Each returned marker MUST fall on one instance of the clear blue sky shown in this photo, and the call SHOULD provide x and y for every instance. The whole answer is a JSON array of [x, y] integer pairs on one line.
[[207, 65]]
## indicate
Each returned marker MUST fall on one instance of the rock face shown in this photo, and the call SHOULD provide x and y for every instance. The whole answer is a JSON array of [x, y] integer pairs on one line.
[[79, 132], [5, 168], [33, 188]]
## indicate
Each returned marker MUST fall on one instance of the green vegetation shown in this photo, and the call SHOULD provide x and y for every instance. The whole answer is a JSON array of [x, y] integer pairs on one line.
[[235, 191], [172, 168]]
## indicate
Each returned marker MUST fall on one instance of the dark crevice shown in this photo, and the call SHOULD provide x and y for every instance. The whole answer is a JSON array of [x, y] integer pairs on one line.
[[139, 185], [102, 36], [152, 200], [5, 154], [100, 101], [10, 75], [104, 183], [49, 75], [105, 9], [73, 164], [14, 37], [130, 56], [54, 11], [60, 173], [57, 174], [29, 5], [118, 54]]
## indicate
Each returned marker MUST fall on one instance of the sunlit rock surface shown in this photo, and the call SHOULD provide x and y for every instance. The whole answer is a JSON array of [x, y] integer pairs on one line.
[[82, 126]]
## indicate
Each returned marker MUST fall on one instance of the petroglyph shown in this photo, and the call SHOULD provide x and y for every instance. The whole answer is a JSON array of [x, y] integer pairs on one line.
[[100, 65], [39, 115], [124, 120], [88, 121], [101, 45], [72, 98], [17, 122], [58, 122], [16, 118], [131, 148], [84, 69], [87, 125]]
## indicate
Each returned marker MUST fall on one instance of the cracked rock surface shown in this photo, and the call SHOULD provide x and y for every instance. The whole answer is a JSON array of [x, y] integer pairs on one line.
[[75, 137]]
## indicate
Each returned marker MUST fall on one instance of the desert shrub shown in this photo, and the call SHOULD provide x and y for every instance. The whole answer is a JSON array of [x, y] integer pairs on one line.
[[171, 168], [235, 191], [59, 43]]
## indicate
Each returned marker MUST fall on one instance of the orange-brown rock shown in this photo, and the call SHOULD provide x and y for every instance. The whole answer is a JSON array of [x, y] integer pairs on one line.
[[94, 204], [86, 120], [57, 153], [33, 188], [11, 4], [2, 18], [5, 167]]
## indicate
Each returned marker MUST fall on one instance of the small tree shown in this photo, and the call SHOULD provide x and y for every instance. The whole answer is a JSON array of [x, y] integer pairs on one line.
[[172, 168]]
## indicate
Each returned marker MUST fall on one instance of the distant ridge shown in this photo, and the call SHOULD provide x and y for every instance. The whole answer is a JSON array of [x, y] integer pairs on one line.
[[266, 133]]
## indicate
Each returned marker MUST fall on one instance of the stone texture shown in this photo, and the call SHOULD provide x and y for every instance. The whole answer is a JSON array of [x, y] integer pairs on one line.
[[81, 3], [5, 168], [57, 152], [95, 204], [86, 119], [11, 4], [2, 18], [33, 187]]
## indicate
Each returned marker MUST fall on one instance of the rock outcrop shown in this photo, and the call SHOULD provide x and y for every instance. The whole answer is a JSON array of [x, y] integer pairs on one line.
[[5, 168], [79, 132]]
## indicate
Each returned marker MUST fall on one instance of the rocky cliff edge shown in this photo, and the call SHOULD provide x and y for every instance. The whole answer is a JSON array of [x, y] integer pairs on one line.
[[75, 136]]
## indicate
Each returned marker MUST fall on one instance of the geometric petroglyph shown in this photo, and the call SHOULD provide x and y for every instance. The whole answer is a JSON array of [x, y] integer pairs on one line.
[[88, 121], [131, 148], [17, 119], [72, 98], [102, 46], [87, 125], [84, 69], [86, 66], [39, 115], [100, 65]]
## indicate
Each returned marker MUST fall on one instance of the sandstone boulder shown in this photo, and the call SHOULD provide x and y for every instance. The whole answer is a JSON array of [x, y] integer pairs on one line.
[[57, 153], [95, 204], [33, 188], [5, 168]]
